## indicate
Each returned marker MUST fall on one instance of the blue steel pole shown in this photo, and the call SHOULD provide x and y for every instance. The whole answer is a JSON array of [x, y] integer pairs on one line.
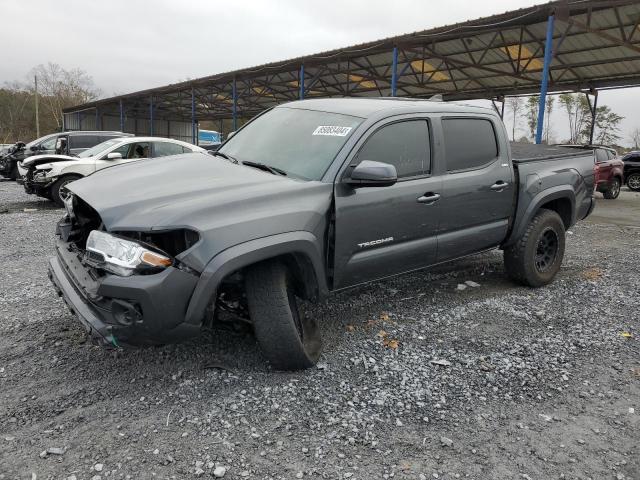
[[301, 81], [193, 116], [235, 105], [394, 73], [121, 116], [545, 78], [151, 116]]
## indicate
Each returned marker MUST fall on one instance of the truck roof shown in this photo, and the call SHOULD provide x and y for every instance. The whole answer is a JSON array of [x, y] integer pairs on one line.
[[365, 107]]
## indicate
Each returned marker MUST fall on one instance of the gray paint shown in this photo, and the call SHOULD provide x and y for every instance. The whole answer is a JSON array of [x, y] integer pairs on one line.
[[246, 215]]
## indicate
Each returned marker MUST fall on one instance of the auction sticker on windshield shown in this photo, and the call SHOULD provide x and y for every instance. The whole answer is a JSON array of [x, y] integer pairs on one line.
[[332, 130]]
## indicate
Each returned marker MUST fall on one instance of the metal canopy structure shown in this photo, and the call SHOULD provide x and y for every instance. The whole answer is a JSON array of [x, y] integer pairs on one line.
[[568, 45]]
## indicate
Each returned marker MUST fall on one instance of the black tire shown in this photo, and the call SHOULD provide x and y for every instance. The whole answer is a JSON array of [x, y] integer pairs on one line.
[[613, 190], [288, 339], [633, 181], [535, 259], [57, 189]]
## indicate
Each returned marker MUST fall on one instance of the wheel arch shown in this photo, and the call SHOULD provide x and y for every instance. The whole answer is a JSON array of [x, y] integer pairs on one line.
[[561, 200], [300, 251]]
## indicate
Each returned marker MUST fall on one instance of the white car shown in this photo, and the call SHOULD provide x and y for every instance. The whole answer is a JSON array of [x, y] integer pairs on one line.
[[47, 175]]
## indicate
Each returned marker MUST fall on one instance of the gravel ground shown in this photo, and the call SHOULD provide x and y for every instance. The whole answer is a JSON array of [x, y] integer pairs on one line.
[[420, 378]]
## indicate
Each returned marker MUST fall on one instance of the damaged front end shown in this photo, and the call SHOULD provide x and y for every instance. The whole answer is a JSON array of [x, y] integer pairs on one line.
[[126, 287]]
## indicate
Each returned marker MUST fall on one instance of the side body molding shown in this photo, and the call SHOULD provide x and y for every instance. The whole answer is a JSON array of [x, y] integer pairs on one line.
[[236, 257]]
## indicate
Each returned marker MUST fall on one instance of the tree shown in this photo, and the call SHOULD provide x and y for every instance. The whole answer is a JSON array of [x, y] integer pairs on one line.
[[57, 88], [577, 108], [531, 114], [514, 104], [607, 125], [548, 107], [635, 138], [62, 88]]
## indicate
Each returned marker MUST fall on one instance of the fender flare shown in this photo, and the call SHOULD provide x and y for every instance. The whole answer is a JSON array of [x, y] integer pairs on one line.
[[247, 253], [545, 196]]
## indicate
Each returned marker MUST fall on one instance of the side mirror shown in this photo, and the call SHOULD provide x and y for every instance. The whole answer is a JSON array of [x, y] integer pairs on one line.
[[34, 148], [373, 174], [114, 156]]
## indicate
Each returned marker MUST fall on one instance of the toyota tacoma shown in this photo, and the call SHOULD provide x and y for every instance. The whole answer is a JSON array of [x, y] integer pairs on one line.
[[309, 198]]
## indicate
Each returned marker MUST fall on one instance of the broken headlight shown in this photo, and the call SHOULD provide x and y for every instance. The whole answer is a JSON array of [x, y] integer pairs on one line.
[[120, 256]]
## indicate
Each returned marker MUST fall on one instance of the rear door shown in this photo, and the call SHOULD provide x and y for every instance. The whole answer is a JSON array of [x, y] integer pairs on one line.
[[382, 231], [604, 165], [478, 193]]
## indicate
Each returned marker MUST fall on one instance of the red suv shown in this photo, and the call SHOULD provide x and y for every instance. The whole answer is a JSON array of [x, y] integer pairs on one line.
[[608, 169]]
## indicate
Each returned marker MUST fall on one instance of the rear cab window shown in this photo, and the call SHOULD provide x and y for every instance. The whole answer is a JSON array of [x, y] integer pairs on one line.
[[470, 143]]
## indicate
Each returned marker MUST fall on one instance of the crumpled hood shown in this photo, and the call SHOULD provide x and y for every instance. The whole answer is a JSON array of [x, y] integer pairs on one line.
[[192, 190], [51, 158]]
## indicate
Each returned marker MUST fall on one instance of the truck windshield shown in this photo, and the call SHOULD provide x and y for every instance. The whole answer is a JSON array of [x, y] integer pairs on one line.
[[302, 143]]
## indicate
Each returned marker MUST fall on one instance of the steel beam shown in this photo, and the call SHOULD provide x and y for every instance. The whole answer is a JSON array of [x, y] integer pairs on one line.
[[548, 47], [151, 116], [121, 116], [234, 108], [394, 72], [594, 110], [193, 117]]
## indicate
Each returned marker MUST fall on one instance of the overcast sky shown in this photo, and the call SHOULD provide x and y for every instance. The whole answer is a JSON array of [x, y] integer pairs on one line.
[[135, 44]]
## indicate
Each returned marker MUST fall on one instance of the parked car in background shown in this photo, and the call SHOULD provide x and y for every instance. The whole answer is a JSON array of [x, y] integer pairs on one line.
[[48, 175], [65, 143], [632, 170], [609, 169], [310, 197]]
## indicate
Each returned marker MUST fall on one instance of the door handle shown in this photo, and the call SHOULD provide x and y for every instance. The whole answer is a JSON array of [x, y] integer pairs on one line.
[[429, 198], [499, 186]]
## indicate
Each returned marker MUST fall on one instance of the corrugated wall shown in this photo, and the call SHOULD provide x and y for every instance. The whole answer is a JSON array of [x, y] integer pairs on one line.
[[138, 126]]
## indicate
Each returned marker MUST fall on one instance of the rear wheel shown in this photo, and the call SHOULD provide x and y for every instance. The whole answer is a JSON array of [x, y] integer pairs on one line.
[[633, 181], [613, 190], [288, 339], [59, 191], [536, 257]]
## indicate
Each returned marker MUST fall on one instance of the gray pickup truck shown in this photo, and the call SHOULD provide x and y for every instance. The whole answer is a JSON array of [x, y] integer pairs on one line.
[[309, 198]]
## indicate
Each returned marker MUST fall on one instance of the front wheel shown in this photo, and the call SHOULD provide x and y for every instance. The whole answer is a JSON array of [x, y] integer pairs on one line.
[[288, 339], [535, 259], [633, 182], [612, 192], [59, 191]]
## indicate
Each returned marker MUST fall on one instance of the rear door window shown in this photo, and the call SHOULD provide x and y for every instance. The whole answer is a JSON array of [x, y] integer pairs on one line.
[[601, 155], [164, 149], [133, 150], [469, 143], [404, 145]]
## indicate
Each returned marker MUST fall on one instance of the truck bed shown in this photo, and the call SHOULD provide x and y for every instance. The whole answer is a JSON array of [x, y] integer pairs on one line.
[[529, 152]]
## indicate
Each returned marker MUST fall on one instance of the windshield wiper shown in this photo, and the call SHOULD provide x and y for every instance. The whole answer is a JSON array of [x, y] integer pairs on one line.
[[264, 166], [225, 156]]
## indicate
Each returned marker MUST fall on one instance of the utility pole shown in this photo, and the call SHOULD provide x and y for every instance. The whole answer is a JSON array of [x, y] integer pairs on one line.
[[37, 116]]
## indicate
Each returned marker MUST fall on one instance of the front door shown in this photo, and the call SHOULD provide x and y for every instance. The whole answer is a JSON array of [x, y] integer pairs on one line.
[[478, 194], [382, 231]]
